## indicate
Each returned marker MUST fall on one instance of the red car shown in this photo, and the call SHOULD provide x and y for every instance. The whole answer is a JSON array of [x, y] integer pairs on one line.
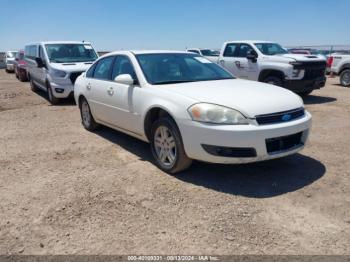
[[21, 66]]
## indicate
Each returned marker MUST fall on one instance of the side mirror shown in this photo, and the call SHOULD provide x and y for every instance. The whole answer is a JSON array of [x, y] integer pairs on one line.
[[252, 55], [124, 79], [39, 62]]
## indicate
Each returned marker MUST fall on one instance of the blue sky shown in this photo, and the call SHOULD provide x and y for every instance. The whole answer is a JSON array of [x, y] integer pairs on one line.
[[173, 24]]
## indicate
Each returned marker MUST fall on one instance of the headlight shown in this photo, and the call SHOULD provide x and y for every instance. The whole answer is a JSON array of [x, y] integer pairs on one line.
[[297, 72], [58, 73], [215, 114]]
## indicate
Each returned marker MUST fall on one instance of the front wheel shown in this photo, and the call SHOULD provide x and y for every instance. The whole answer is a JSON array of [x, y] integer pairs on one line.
[[52, 99], [33, 87], [167, 147], [273, 80], [305, 93], [345, 78]]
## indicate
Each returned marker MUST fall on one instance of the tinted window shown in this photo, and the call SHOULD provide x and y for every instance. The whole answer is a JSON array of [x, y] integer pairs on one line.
[[243, 50], [208, 52], [194, 51], [66, 53], [177, 68], [103, 68], [230, 50], [90, 72], [270, 48], [30, 51], [122, 65]]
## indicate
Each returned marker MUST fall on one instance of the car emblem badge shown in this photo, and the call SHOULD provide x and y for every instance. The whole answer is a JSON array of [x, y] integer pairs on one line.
[[286, 117]]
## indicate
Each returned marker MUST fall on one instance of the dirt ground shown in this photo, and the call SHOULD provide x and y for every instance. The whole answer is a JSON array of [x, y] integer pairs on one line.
[[64, 190]]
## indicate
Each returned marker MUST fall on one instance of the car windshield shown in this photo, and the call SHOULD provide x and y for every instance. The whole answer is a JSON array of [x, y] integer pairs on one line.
[[66, 53], [179, 68], [270, 49], [208, 52], [11, 54]]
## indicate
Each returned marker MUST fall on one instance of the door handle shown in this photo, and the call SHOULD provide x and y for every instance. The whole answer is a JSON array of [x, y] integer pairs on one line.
[[88, 86], [110, 91]]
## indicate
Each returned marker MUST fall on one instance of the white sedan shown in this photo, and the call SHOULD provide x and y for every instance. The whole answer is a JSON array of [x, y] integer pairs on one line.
[[188, 108]]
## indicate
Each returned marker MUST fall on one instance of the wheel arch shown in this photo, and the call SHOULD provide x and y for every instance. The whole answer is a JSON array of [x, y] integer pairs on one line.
[[344, 67], [271, 72], [154, 113]]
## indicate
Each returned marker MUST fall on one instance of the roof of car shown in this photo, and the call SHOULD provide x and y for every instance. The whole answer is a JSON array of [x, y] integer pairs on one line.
[[141, 52], [60, 42], [249, 41]]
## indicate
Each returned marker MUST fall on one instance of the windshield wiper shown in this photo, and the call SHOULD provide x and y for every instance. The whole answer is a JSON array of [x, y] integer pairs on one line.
[[172, 82]]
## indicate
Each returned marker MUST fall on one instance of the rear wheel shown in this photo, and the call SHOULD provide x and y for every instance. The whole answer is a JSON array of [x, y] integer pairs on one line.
[[33, 87], [345, 78], [87, 119], [53, 100], [273, 80], [167, 147]]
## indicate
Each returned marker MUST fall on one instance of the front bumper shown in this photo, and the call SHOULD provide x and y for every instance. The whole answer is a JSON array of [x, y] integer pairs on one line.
[[62, 89], [299, 86], [195, 134], [10, 67]]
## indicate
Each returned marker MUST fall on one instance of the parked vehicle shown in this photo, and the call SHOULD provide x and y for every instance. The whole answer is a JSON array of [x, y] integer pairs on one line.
[[270, 63], [190, 108], [210, 54], [9, 60], [340, 65], [54, 66], [20, 66]]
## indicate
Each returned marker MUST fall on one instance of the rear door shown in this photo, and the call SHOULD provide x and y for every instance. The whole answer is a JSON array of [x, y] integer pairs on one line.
[[98, 90]]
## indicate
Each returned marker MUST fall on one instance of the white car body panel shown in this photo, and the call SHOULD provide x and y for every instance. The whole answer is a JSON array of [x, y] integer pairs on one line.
[[126, 109], [41, 75], [244, 68]]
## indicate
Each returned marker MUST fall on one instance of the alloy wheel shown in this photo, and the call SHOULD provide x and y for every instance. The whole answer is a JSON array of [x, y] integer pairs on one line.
[[165, 146], [85, 114]]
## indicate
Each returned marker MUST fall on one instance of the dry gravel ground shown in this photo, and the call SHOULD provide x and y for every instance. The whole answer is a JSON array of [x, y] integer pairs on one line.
[[64, 190]]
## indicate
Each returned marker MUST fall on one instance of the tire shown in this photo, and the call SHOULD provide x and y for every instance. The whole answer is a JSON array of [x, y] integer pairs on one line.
[[167, 146], [305, 93], [345, 78], [22, 78], [87, 119], [52, 99], [7, 71], [16, 74], [33, 87], [273, 80]]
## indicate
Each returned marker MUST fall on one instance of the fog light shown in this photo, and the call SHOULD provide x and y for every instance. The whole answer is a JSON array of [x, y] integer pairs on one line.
[[59, 90]]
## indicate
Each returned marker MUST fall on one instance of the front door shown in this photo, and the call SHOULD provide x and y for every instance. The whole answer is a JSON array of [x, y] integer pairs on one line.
[[121, 96]]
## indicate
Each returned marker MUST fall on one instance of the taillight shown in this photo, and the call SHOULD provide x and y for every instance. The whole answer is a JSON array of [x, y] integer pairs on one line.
[[22, 62], [330, 61]]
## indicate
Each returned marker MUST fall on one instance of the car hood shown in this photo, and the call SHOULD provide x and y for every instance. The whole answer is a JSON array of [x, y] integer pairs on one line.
[[304, 58], [249, 97], [71, 67]]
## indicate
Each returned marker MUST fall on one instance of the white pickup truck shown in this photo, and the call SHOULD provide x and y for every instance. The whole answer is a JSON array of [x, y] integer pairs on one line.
[[270, 63], [340, 65]]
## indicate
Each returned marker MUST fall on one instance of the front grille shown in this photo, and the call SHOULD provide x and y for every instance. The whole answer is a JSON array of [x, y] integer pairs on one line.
[[313, 70], [280, 117], [283, 143], [73, 76], [314, 73]]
